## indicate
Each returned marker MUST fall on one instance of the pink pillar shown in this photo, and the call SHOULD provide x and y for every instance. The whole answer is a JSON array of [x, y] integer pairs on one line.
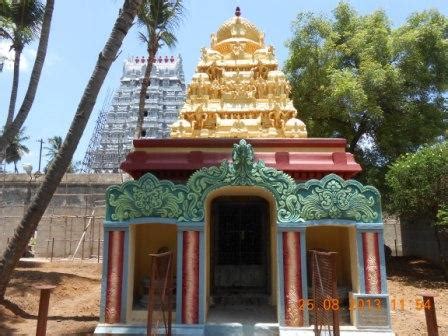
[[190, 277], [114, 276], [292, 266], [372, 269]]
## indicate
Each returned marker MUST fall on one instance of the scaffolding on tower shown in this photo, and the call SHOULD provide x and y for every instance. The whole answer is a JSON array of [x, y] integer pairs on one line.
[[95, 139]]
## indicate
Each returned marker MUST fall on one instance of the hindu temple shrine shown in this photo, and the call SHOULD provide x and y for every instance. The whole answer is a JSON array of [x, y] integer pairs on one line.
[[243, 200]]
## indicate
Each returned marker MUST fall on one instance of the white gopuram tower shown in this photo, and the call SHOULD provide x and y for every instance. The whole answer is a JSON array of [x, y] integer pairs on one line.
[[114, 131]]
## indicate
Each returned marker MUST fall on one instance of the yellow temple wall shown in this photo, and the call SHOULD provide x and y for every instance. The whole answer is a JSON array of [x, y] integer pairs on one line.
[[335, 239], [147, 238]]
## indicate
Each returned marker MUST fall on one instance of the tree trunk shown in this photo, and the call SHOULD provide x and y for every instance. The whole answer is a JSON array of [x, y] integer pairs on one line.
[[146, 82], [43, 196], [15, 85], [443, 261], [14, 127], [358, 134]]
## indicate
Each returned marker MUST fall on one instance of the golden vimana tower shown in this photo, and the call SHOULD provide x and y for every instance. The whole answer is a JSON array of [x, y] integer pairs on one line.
[[238, 90]]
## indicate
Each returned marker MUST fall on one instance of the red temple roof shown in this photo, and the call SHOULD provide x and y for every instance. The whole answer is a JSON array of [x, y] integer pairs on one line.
[[301, 158]]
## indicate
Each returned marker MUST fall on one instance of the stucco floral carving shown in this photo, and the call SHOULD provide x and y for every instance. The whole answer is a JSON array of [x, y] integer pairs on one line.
[[329, 198]]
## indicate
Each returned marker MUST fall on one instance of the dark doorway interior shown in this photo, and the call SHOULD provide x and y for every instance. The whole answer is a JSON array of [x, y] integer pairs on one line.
[[240, 251]]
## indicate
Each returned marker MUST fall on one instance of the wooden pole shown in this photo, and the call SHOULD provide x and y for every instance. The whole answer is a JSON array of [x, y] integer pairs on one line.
[[65, 236], [100, 234], [83, 239], [430, 314], [92, 235], [52, 249], [71, 236], [44, 302], [98, 254]]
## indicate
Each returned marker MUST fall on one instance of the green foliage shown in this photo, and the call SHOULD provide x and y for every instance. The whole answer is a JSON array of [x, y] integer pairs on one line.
[[16, 149], [160, 18], [55, 144], [53, 150], [20, 21], [442, 217], [419, 183], [382, 89]]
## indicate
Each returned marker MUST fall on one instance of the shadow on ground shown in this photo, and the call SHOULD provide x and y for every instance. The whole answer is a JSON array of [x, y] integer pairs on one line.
[[416, 272]]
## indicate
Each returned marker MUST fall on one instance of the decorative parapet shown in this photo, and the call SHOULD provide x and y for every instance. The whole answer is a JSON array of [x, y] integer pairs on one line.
[[328, 198], [334, 198]]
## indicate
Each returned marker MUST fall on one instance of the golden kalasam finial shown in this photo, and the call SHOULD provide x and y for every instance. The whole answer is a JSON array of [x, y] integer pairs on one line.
[[237, 90], [237, 11]]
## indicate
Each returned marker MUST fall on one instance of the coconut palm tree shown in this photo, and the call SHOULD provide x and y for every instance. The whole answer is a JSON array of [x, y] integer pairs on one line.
[[53, 150], [19, 23], [42, 197], [159, 19], [16, 149], [14, 127]]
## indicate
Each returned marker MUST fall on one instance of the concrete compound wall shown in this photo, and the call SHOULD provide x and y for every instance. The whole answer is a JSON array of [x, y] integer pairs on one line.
[[419, 239], [392, 234], [78, 202]]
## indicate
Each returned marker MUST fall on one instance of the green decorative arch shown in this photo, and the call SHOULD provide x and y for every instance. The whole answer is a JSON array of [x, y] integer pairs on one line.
[[329, 198]]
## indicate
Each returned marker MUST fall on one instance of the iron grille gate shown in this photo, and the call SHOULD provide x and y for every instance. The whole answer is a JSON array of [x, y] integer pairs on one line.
[[240, 247], [324, 291]]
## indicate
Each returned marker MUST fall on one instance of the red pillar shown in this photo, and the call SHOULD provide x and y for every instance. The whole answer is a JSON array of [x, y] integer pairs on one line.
[[190, 278], [114, 276], [372, 266], [292, 268]]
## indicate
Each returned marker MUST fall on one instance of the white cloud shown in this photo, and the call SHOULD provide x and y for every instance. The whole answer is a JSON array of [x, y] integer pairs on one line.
[[26, 59]]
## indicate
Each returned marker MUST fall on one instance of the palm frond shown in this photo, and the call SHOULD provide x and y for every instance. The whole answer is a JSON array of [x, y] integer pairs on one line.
[[5, 34], [176, 15], [55, 144], [168, 38], [161, 18], [27, 15], [20, 21], [142, 37], [144, 15], [5, 9], [16, 149]]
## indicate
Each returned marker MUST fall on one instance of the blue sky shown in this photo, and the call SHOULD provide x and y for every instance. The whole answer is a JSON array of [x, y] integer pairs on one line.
[[81, 27]]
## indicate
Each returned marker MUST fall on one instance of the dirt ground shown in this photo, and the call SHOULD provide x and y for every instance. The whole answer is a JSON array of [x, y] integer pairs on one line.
[[74, 303], [407, 279]]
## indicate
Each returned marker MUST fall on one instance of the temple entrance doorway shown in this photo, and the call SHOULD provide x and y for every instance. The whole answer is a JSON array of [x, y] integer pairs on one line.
[[240, 260]]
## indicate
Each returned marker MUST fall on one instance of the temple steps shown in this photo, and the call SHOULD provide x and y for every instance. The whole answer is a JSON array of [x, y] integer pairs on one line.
[[238, 329], [240, 299]]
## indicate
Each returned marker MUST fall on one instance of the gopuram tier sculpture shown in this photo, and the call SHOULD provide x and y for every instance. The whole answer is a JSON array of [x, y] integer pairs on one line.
[[238, 90]]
